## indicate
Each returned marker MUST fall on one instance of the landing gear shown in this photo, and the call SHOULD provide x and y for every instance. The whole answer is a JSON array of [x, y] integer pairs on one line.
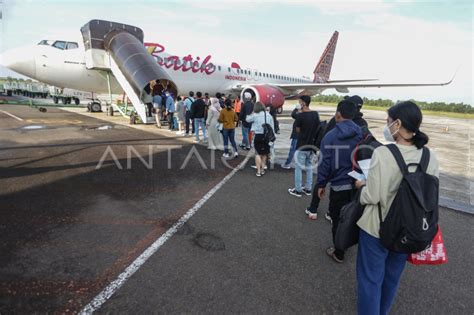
[[64, 101], [77, 101], [55, 99], [110, 110]]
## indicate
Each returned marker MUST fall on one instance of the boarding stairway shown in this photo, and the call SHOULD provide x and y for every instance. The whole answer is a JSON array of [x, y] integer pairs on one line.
[[118, 49]]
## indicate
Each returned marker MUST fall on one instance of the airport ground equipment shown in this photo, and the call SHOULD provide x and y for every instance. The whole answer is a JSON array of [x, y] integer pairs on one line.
[[118, 49], [68, 96]]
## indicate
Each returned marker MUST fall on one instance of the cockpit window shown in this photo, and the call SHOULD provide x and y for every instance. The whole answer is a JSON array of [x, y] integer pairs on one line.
[[59, 44], [71, 45], [45, 42]]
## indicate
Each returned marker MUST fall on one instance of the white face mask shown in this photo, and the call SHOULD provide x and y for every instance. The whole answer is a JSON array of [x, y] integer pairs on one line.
[[388, 135]]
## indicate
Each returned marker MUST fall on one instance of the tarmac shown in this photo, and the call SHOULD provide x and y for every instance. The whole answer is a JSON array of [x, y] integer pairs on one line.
[[83, 195]]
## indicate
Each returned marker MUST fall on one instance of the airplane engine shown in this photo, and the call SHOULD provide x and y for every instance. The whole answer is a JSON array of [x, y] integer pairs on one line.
[[267, 94]]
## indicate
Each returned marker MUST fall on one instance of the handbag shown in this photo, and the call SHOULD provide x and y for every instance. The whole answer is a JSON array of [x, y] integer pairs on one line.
[[220, 127], [435, 254], [347, 233]]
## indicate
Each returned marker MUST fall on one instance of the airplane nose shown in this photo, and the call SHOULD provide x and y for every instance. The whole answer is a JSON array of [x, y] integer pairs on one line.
[[19, 60]]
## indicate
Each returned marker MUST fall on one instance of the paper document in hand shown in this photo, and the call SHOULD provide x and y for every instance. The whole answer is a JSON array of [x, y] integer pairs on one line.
[[356, 175], [365, 166]]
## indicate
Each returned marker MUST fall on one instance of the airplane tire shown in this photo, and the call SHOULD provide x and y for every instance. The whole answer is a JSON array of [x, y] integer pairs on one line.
[[9, 93], [77, 101], [111, 110], [64, 100], [96, 107], [55, 99]]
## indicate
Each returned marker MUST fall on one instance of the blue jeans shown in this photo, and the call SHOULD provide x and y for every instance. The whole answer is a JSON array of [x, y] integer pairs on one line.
[[378, 275], [245, 137], [197, 122], [303, 161], [229, 134], [291, 154]]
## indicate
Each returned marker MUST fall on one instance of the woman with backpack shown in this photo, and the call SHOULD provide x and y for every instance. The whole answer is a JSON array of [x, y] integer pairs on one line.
[[379, 269], [258, 118]]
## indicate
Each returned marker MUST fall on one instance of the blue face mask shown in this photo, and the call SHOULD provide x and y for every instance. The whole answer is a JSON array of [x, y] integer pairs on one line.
[[388, 135]]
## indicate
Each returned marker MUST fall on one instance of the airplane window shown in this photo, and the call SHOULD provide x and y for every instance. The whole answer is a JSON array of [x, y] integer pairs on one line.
[[59, 44], [72, 45], [228, 69], [219, 68], [43, 42]]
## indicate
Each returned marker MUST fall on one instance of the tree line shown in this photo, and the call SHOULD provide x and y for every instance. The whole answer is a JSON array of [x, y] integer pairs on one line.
[[433, 106]]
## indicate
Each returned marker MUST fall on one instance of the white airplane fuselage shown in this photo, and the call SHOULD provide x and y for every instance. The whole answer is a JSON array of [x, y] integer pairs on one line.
[[67, 69]]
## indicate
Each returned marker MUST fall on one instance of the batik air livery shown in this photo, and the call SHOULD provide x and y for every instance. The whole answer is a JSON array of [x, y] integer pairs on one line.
[[113, 58]]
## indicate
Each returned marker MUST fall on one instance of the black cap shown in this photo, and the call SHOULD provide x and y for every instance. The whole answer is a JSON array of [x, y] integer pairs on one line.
[[356, 99]]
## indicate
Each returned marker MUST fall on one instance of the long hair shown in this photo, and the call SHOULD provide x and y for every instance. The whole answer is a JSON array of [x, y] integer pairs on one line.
[[411, 117]]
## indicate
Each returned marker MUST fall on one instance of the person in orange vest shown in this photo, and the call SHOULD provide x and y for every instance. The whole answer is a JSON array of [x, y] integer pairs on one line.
[[237, 107]]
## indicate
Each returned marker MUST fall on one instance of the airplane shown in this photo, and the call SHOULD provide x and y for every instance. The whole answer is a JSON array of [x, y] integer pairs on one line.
[[84, 66]]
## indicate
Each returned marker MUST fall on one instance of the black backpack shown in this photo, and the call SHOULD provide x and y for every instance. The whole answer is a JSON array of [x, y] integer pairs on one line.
[[268, 134], [364, 149], [412, 220]]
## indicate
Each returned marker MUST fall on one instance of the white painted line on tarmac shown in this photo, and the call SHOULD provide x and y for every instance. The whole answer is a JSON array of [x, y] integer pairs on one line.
[[113, 287], [11, 115]]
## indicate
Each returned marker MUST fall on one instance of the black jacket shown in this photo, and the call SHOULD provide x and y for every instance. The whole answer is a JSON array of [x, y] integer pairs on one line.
[[246, 110], [198, 109]]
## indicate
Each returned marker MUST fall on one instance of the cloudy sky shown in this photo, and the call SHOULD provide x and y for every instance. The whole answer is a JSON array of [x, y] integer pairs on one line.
[[394, 41]]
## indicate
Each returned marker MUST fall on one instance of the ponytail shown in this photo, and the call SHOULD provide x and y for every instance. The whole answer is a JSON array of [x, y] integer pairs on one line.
[[420, 139]]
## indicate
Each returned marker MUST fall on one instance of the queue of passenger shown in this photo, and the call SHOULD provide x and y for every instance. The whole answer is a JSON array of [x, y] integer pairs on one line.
[[334, 147]]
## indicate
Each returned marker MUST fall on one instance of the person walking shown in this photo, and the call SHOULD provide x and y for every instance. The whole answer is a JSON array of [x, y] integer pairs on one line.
[[147, 99], [228, 118], [157, 106], [293, 138], [215, 136], [188, 119], [306, 127], [246, 110], [259, 117], [378, 269], [170, 108], [237, 107], [181, 114], [336, 162], [198, 111]]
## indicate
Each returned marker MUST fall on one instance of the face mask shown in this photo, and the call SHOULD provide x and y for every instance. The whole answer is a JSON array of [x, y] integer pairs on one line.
[[388, 135], [298, 106]]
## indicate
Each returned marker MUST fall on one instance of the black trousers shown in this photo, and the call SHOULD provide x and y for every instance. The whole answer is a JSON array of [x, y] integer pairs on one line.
[[337, 200], [189, 120], [313, 207], [170, 120], [150, 109]]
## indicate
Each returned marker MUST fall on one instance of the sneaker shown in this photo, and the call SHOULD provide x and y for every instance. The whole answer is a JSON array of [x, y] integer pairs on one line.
[[331, 251], [258, 174], [328, 217], [242, 146], [226, 155], [311, 215], [247, 148], [286, 166], [236, 154], [196, 141], [294, 192], [307, 192]]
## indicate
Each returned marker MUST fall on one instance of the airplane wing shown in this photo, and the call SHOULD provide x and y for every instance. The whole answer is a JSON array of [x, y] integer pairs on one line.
[[314, 88]]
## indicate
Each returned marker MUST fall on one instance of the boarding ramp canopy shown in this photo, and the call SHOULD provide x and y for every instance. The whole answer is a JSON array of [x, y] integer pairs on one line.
[[119, 48]]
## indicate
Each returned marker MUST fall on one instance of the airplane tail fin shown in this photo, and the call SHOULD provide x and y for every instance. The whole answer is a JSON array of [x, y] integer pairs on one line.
[[323, 68]]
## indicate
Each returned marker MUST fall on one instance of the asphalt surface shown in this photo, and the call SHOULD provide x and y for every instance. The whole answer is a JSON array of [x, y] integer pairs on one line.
[[67, 229]]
